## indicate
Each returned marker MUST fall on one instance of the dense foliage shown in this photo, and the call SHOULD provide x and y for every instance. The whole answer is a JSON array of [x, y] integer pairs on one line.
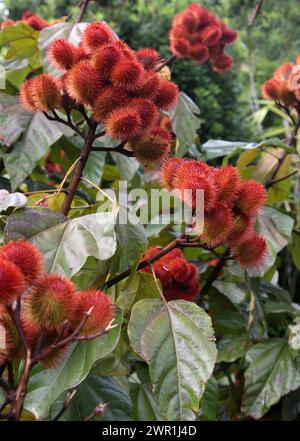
[[148, 319]]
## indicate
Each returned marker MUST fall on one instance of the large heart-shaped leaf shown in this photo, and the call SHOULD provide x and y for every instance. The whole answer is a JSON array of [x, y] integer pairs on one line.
[[176, 339], [66, 244], [46, 385], [273, 372]]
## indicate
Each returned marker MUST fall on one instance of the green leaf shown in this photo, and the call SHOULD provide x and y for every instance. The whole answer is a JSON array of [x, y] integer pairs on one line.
[[209, 401], [185, 122], [67, 31], [273, 372], [276, 228], [22, 41], [232, 347], [176, 339], [67, 244], [127, 166], [143, 402], [291, 406], [295, 247], [95, 390], [132, 242], [38, 134], [46, 385], [11, 200]]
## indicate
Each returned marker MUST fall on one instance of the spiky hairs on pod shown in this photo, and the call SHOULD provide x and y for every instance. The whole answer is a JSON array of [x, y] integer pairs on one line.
[[251, 197], [83, 82], [180, 47], [102, 313], [51, 301], [123, 123], [178, 291], [228, 35], [193, 176], [228, 182], [46, 93], [36, 22], [96, 35], [179, 270], [12, 282], [242, 229], [150, 87], [148, 113], [63, 54], [222, 63], [167, 95], [26, 257], [168, 171], [128, 74], [251, 253], [211, 35], [153, 149], [199, 53], [109, 99], [218, 223], [148, 57], [105, 59], [271, 90], [26, 96]]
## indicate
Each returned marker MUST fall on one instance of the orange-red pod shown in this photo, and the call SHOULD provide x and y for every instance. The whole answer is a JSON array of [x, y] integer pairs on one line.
[[12, 282]]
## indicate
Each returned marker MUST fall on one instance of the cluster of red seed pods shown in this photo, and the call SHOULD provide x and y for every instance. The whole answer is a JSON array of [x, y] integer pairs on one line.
[[198, 35], [50, 305], [230, 206]]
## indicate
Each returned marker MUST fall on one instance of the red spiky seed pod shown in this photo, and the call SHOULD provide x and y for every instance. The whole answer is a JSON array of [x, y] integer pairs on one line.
[[36, 22], [168, 172], [242, 229], [222, 63], [62, 54], [192, 176], [26, 257], [51, 301], [167, 95], [251, 253], [31, 329], [46, 93], [109, 99], [251, 197], [179, 270], [7, 22], [199, 53], [128, 74], [211, 35], [178, 32], [83, 82], [153, 149], [178, 291], [148, 57], [271, 90], [96, 35], [189, 21], [12, 282], [105, 59], [126, 51], [218, 223], [150, 87], [26, 96], [123, 123], [228, 35], [148, 113], [228, 182], [180, 47], [283, 72], [101, 315]]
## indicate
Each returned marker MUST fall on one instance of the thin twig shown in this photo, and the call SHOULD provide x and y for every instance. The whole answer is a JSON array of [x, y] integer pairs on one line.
[[276, 181], [255, 13], [66, 404], [83, 9]]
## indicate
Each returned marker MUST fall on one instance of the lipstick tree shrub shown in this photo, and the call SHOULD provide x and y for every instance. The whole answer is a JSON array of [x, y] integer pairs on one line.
[[197, 325]]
